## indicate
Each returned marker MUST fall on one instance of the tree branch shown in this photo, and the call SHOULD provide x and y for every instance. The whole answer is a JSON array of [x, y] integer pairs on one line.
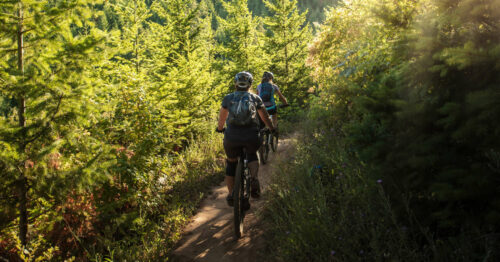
[[10, 15], [35, 137]]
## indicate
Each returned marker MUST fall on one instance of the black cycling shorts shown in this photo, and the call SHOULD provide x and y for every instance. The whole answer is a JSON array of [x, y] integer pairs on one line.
[[234, 148]]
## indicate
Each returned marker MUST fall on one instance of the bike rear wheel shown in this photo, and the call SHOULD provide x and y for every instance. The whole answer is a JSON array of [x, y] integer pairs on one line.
[[238, 196]]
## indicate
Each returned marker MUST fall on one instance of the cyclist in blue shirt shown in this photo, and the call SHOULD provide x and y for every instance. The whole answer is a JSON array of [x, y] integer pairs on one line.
[[266, 90]]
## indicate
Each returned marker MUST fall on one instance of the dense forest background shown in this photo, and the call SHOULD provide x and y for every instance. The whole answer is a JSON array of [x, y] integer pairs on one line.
[[108, 109]]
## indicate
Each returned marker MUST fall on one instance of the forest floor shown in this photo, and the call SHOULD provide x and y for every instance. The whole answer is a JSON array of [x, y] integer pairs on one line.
[[210, 234]]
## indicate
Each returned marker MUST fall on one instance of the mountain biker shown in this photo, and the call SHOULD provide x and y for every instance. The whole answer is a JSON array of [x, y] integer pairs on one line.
[[266, 90], [242, 131]]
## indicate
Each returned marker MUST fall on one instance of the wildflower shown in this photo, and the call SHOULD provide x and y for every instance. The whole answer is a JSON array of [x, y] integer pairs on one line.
[[379, 181], [344, 165], [288, 232], [332, 252], [361, 252]]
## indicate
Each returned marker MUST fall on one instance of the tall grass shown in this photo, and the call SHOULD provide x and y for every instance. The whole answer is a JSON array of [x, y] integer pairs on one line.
[[322, 207], [326, 205]]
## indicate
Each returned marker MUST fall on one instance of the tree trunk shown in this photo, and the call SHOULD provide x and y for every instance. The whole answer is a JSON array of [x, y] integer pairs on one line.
[[23, 182]]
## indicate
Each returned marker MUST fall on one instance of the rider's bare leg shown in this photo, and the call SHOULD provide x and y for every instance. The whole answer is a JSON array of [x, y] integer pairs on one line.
[[275, 120], [229, 183]]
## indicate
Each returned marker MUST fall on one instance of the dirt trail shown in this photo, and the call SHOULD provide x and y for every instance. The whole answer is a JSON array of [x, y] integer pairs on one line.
[[209, 235]]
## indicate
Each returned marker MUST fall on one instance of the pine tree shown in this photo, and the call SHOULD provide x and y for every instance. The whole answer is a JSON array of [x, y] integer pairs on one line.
[[43, 60], [286, 46], [133, 15], [241, 37], [182, 71]]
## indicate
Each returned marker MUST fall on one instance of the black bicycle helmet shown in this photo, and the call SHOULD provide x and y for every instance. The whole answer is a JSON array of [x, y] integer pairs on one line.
[[243, 80], [268, 75]]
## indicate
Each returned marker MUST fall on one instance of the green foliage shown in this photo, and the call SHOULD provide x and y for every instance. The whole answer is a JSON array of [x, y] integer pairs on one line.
[[241, 36], [323, 207], [314, 8], [106, 119], [286, 47], [412, 85], [45, 69]]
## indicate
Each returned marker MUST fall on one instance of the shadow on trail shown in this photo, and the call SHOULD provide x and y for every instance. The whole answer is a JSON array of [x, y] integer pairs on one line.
[[210, 234]]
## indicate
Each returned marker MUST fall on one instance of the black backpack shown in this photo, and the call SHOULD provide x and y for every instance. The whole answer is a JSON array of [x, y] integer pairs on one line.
[[242, 110]]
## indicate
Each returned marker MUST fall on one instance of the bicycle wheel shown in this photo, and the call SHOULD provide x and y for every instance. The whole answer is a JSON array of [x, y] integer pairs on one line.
[[238, 193], [274, 142]]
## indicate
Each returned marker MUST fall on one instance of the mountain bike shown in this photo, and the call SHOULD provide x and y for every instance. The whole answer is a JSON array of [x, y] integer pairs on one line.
[[241, 193]]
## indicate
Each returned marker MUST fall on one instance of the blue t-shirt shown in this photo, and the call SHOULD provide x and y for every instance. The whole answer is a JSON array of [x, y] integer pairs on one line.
[[272, 102]]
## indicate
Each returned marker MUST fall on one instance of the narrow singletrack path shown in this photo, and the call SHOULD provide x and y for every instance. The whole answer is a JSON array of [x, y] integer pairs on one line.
[[210, 234]]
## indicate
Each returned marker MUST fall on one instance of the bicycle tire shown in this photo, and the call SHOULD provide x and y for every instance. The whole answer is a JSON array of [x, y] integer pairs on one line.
[[238, 195]]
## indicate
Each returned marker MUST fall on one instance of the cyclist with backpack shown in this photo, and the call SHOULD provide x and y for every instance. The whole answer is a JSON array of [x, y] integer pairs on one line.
[[239, 111], [266, 90]]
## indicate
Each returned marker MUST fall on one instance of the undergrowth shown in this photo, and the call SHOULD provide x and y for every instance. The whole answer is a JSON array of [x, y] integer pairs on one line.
[[325, 205], [142, 223], [180, 190], [323, 208]]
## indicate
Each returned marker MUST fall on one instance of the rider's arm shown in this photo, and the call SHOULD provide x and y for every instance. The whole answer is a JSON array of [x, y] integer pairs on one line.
[[265, 117], [223, 113], [282, 98]]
